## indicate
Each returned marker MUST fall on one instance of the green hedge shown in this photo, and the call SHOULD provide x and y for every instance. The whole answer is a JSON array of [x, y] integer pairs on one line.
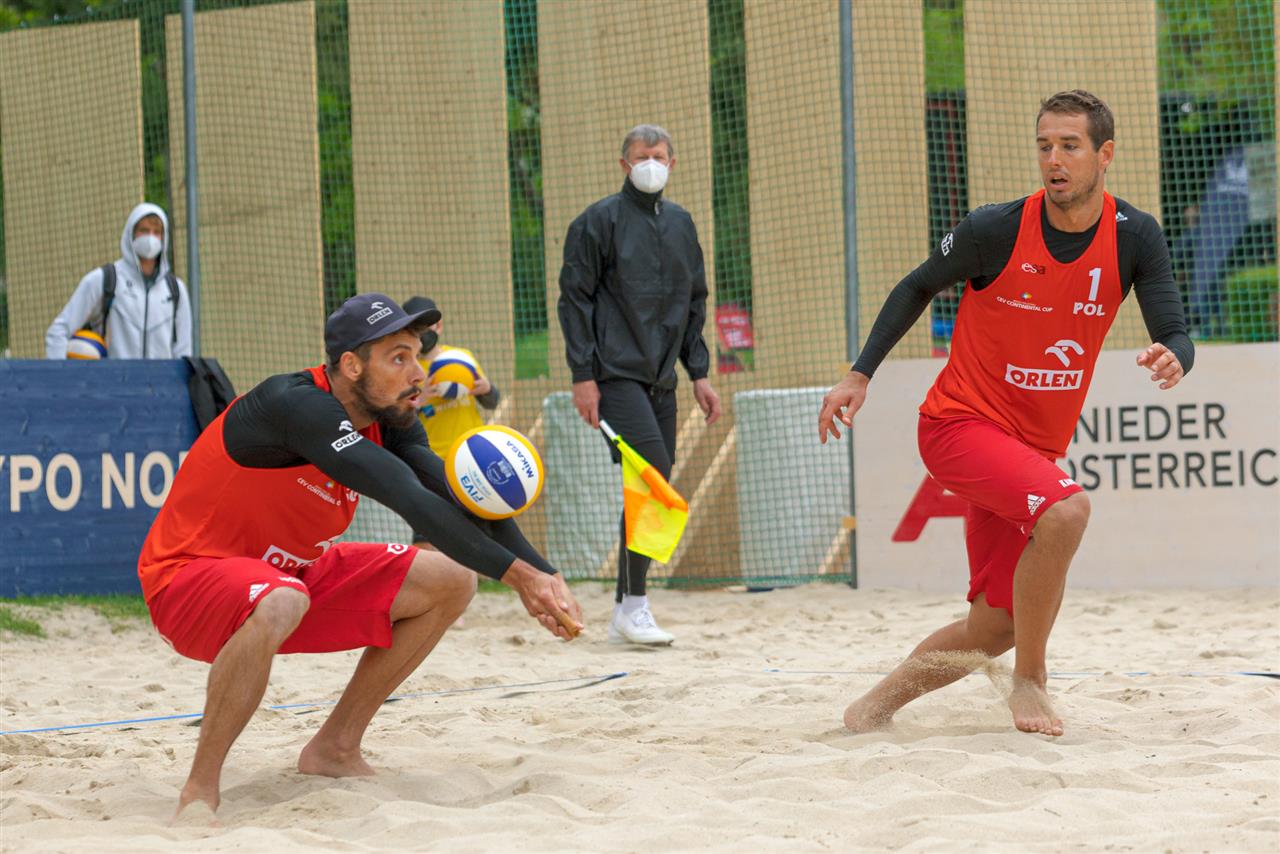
[[1251, 304]]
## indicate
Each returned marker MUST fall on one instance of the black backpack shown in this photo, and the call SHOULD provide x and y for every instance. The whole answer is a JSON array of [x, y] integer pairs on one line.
[[109, 297], [211, 391]]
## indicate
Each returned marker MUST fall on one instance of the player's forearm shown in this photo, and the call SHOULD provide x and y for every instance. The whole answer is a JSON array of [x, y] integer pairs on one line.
[[378, 474], [489, 400], [906, 302]]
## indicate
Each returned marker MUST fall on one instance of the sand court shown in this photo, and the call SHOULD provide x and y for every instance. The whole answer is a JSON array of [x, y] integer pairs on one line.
[[730, 740]]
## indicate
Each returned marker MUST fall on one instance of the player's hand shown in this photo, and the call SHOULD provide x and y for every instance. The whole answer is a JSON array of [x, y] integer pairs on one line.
[[586, 399], [482, 387], [1163, 365], [708, 400], [842, 402], [546, 598]]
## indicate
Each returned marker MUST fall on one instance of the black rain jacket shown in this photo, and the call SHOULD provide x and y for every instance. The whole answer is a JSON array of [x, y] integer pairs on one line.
[[633, 291]]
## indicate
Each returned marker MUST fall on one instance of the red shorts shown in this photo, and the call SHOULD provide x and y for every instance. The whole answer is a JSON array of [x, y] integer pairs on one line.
[[352, 586], [1008, 486]]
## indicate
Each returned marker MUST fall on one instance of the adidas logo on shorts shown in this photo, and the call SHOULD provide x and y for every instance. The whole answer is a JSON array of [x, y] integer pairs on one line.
[[255, 590], [1034, 502]]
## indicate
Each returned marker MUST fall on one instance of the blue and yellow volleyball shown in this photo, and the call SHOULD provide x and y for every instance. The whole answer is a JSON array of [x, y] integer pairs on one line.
[[494, 471], [86, 344], [456, 371]]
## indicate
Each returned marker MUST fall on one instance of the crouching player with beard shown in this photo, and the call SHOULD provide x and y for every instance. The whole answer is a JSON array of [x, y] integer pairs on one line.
[[243, 562]]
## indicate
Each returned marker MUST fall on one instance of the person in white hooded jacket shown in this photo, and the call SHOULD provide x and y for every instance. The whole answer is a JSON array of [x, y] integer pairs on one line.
[[142, 322]]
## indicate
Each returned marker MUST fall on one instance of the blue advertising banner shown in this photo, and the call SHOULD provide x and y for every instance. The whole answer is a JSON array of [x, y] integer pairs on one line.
[[88, 451]]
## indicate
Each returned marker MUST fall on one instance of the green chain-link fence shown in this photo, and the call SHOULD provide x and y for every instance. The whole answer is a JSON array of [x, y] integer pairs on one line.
[[441, 148]]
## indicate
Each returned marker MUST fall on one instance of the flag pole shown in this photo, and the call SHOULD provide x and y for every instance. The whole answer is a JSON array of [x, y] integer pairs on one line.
[[608, 431]]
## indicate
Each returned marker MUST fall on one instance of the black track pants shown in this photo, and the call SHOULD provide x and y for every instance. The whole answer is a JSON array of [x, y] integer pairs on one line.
[[646, 419]]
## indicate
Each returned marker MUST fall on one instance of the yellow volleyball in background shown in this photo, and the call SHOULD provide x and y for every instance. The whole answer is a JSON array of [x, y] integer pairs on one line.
[[86, 344], [456, 371], [494, 471]]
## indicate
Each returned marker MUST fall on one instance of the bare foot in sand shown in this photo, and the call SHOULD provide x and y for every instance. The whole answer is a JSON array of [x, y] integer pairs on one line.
[[867, 715], [326, 761], [1032, 711], [195, 809]]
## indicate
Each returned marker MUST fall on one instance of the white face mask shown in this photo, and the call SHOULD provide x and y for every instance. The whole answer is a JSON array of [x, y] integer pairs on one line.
[[147, 246], [649, 176]]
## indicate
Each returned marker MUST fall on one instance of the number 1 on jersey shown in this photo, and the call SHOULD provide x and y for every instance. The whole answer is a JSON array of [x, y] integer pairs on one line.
[[1095, 276]]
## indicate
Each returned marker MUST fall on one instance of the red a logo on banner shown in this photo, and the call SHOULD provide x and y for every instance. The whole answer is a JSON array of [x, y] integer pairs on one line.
[[930, 501]]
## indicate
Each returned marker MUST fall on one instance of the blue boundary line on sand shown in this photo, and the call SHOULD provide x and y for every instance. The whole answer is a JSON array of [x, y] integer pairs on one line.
[[589, 680], [1064, 674]]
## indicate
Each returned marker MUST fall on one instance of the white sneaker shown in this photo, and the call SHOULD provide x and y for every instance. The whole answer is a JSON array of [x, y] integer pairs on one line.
[[637, 627]]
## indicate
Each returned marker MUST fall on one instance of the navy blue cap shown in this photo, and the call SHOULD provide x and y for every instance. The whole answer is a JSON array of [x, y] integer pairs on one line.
[[367, 317]]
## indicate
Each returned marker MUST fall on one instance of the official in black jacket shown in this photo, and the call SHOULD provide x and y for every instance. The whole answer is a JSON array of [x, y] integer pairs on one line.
[[633, 299]]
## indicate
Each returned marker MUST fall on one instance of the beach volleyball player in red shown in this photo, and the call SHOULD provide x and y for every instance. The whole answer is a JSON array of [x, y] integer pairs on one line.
[[1045, 278], [243, 560]]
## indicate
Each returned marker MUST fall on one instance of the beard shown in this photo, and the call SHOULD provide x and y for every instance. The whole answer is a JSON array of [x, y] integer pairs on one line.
[[394, 416], [1079, 197]]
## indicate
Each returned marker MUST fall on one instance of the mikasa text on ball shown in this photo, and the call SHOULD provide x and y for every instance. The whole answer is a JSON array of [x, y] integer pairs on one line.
[[494, 471]]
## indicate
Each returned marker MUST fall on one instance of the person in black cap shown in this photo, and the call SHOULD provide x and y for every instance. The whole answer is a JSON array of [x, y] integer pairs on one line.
[[243, 560], [446, 416]]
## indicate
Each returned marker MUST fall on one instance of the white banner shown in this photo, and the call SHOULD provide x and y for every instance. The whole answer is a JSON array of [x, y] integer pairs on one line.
[[1183, 483]]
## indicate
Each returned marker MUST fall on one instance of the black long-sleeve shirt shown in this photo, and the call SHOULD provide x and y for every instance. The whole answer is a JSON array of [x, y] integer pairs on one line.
[[980, 246], [288, 420]]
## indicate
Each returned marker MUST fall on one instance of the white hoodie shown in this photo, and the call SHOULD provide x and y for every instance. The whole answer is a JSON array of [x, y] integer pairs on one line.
[[136, 307]]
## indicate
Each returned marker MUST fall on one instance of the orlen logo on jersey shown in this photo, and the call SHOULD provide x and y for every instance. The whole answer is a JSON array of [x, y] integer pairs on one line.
[[346, 441], [281, 559], [1038, 379]]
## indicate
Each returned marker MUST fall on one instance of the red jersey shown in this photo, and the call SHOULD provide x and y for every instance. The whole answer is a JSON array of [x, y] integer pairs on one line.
[[287, 517], [1025, 346]]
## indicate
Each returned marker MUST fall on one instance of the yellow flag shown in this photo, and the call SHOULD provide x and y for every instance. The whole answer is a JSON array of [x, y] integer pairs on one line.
[[655, 514]]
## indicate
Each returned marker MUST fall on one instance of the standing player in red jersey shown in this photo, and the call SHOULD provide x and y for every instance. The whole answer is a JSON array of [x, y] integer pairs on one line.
[[243, 561], [1045, 277]]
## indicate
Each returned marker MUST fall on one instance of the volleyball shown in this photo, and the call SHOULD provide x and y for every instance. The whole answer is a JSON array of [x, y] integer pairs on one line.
[[456, 371], [86, 344], [494, 471]]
